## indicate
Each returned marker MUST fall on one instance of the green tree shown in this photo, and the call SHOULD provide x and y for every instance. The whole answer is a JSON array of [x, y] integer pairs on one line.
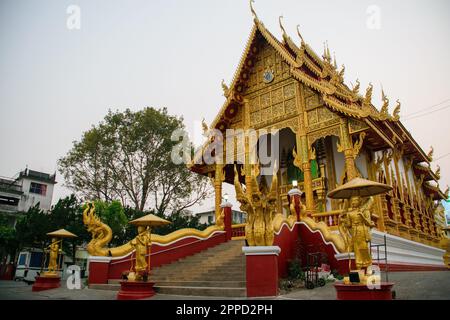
[[127, 156], [113, 214], [32, 229], [179, 220], [8, 239], [33, 226], [67, 214]]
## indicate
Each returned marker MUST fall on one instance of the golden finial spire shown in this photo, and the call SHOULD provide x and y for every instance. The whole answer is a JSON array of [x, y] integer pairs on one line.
[[299, 34], [335, 61], [328, 53], [253, 10]]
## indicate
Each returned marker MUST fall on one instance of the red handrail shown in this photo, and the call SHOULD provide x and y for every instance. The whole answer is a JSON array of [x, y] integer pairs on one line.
[[162, 251]]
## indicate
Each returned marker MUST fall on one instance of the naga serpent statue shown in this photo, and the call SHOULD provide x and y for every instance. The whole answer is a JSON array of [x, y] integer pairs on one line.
[[260, 206], [101, 236]]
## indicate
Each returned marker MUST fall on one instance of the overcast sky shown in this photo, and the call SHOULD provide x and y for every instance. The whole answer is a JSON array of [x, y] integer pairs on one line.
[[57, 82]]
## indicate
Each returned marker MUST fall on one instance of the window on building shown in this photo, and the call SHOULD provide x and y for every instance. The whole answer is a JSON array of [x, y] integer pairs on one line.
[[210, 219], [38, 188]]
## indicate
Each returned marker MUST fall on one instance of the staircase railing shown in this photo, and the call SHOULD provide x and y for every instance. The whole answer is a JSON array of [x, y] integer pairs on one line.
[[330, 218], [238, 231]]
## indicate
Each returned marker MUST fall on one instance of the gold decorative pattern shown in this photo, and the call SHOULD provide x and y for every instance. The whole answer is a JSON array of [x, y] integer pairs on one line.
[[321, 118], [331, 131], [355, 126]]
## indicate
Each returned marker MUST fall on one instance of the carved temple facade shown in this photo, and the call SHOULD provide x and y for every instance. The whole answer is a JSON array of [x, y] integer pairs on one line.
[[329, 133]]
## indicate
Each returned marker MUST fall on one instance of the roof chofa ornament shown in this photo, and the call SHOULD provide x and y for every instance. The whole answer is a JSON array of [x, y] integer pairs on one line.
[[396, 114], [368, 97], [430, 154], [253, 10], [299, 34], [281, 26]]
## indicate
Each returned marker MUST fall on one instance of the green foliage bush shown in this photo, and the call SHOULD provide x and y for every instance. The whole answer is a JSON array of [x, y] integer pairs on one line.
[[295, 270]]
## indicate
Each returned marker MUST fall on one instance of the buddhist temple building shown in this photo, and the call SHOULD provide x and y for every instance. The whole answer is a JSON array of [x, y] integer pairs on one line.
[[289, 135], [328, 133]]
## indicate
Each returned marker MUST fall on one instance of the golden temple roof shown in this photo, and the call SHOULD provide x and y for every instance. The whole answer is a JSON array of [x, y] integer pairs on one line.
[[320, 74]]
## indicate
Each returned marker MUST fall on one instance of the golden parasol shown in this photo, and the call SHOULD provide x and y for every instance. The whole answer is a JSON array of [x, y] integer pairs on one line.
[[149, 220], [360, 188], [61, 233]]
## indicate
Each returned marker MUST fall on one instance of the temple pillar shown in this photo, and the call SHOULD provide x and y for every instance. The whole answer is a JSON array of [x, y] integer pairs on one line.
[[302, 160], [347, 147], [218, 179], [304, 152]]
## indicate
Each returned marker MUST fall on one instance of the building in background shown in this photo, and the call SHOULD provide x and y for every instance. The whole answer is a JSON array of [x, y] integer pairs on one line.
[[209, 217], [26, 190]]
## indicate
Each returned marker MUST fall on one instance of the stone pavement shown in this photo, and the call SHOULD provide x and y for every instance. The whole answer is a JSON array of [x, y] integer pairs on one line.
[[408, 286], [430, 285]]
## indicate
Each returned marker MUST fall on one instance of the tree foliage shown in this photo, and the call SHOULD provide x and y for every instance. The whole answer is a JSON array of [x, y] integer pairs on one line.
[[32, 227], [127, 156], [8, 238]]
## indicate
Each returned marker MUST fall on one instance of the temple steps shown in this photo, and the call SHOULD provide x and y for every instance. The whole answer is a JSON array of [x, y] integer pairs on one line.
[[218, 271]]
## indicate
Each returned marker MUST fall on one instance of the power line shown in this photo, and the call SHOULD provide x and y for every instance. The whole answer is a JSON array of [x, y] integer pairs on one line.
[[426, 109], [441, 157], [426, 114]]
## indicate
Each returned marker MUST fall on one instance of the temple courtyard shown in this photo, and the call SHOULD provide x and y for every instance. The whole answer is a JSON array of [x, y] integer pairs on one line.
[[430, 285]]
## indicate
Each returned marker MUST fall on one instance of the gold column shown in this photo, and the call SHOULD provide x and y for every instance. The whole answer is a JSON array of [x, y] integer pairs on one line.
[[302, 160], [218, 179], [247, 165], [306, 165], [372, 168], [386, 161], [398, 153], [346, 146]]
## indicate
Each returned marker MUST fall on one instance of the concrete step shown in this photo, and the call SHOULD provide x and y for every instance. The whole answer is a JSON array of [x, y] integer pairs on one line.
[[200, 269], [200, 278], [201, 257], [218, 271], [202, 265], [205, 272], [201, 283], [202, 291], [228, 277]]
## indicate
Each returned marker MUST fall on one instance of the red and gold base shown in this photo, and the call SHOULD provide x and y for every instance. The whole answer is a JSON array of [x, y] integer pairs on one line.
[[262, 270], [135, 290], [46, 283], [363, 292]]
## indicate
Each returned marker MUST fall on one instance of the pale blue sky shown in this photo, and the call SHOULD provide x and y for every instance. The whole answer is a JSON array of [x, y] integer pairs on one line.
[[56, 83]]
